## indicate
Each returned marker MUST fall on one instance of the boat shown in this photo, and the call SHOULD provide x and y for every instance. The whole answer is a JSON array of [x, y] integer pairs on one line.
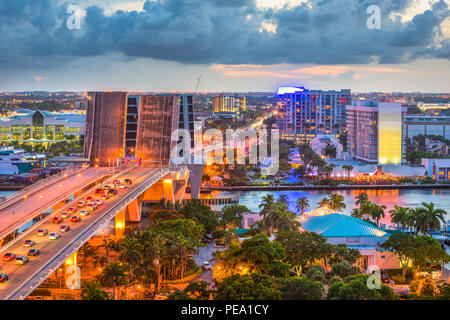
[[16, 161]]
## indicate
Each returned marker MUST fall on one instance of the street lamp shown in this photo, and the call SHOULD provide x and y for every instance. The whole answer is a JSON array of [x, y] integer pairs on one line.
[[14, 224], [60, 282]]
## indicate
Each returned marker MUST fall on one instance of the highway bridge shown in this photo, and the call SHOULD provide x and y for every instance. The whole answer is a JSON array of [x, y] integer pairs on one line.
[[148, 184]]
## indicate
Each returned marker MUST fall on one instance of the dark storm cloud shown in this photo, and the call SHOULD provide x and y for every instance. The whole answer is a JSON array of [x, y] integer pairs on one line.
[[34, 33]]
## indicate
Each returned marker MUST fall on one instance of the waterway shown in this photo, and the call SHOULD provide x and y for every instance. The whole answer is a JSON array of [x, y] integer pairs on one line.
[[404, 198]]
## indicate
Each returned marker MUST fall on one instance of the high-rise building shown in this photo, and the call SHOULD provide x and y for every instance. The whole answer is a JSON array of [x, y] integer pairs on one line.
[[229, 104], [135, 127], [374, 131], [413, 125], [303, 113]]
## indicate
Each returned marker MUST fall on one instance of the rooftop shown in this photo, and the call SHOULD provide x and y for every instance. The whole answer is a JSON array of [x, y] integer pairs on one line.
[[338, 225]]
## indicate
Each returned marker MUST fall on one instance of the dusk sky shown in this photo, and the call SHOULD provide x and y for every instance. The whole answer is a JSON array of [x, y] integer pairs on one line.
[[236, 45]]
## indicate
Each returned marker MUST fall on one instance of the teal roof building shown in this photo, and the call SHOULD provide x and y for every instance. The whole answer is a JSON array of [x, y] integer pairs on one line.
[[341, 226]]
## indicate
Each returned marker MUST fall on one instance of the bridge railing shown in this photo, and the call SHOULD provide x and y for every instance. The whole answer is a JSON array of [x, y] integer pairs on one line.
[[52, 265], [70, 170], [17, 224]]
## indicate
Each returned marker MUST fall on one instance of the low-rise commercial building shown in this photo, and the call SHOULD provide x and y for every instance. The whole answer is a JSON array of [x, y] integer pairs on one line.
[[437, 169], [25, 125]]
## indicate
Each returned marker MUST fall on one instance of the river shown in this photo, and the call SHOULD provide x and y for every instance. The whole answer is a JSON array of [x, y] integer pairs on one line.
[[404, 198]]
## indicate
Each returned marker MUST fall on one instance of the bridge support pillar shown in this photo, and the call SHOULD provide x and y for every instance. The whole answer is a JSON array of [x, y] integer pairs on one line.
[[134, 211], [195, 179], [119, 225], [71, 273]]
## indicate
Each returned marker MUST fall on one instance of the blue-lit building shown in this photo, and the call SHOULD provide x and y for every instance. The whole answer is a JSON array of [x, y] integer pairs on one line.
[[303, 113]]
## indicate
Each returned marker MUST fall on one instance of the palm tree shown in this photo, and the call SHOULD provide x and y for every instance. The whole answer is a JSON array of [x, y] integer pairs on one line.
[[286, 221], [348, 169], [431, 217], [337, 202], [325, 202], [414, 219], [112, 276], [399, 215], [330, 151], [283, 199], [131, 253], [266, 204], [302, 205], [377, 212], [87, 251], [361, 199], [365, 210], [93, 291], [356, 213]]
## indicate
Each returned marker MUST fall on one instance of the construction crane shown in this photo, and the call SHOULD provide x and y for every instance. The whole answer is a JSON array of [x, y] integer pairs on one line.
[[198, 84]]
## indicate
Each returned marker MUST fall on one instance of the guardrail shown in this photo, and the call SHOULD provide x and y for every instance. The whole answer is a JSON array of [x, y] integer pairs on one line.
[[17, 224], [84, 236], [39, 185]]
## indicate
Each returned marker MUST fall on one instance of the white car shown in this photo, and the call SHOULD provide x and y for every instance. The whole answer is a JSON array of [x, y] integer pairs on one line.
[[206, 266], [99, 202], [84, 213], [54, 236]]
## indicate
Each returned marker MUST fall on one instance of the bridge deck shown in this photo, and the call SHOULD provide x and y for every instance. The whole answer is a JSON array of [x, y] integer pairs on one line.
[[23, 279], [22, 210]]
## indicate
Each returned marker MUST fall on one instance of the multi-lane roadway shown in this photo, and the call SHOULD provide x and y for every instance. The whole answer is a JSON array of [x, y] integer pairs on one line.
[[24, 209], [24, 278]]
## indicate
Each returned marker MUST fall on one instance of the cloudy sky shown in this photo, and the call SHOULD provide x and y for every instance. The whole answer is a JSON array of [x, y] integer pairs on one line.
[[236, 45]]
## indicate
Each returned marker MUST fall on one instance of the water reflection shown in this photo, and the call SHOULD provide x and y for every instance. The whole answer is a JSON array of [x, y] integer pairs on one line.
[[389, 198]]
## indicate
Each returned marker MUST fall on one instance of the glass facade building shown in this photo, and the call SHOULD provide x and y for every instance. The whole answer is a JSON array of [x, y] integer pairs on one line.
[[374, 131], [303, 113], [25, 125]]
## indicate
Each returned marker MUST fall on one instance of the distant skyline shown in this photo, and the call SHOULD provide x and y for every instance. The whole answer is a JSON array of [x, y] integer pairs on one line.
[[236, 45]]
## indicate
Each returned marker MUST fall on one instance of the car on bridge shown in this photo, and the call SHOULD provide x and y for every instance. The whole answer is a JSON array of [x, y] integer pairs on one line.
[[128, 182], [33, 252], [42, 232], [105, 197], [92, 207], [65, 215], [112, 192], [107, 187], [122, 186], [81, 204], [99, 191], [28, 243], [9, 257], [75, 219], [99, 202], [116, 182], [57, 219], [84, 213], [71, 210], [22, 260], [54, 236], [3, 277], [64, 228], [89, 199]]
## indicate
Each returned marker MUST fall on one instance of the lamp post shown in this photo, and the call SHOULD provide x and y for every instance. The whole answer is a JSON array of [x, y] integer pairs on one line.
[[14, 225], [60, 282]]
